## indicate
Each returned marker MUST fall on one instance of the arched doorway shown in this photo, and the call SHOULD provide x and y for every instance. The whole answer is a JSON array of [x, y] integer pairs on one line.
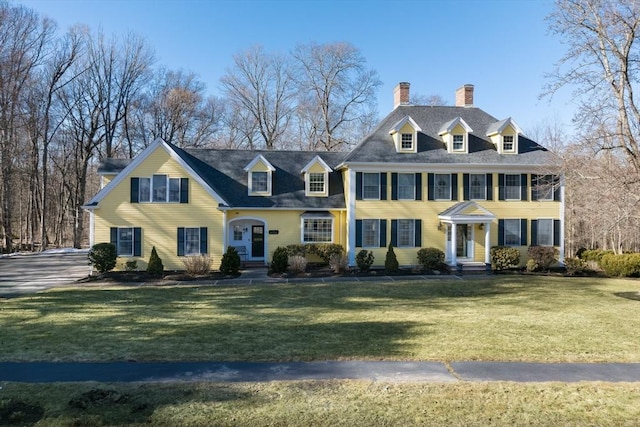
[[247, 235]]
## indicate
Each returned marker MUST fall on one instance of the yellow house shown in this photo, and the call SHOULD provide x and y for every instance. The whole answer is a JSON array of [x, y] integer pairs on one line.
[[450, 177]]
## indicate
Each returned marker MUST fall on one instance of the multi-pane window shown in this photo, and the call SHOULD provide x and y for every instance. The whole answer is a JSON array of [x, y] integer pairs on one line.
[[371, 186], [144, 190], [317, 230], [125, 241], [407, 141], [512, 187], [458, 142], [545, 232], [507, 143], [192, 241], [442, 186], [159, 188], [477, 186], [406, 233], [406, 186], [512, 232], [237, 232], [370, 233], [259, 182], [545, 187], [316, 182]]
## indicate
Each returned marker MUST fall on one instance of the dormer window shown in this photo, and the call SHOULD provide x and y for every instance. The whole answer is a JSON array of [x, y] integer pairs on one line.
[[455, 135], [407, 141], [507, 143], [316, 182], [316, 178], [458, 142], [260, 176], [504, 135]]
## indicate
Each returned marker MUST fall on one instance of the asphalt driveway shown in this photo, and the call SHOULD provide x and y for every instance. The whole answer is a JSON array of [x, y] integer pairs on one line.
[[24, 274]]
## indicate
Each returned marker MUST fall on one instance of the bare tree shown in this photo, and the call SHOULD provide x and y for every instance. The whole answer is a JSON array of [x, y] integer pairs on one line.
[[336, 90], [260, 83], [433, 100]]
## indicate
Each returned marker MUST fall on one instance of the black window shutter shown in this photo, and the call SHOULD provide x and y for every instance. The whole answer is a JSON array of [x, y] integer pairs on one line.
[[418, 186], [358, 233], [137, 241], [180, 241], [184, 190], [383, 186], [489, 186], [135, 188], [358, 185], [418, 232], [534, 232], [535, 181], [431, 190], [523, 232], [204, 247], [383, 233], [501, 232], [394, 232], [394, 186], [114, 237], [454, 186], [500, 186], [465, 185], [556, 191], [524, 189], [556, 232]]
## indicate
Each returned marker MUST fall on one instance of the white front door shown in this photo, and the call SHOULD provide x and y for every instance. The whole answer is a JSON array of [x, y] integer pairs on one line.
[[464, 242]]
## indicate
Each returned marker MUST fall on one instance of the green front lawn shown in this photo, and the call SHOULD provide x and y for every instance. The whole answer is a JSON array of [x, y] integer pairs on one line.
[[517, 318]]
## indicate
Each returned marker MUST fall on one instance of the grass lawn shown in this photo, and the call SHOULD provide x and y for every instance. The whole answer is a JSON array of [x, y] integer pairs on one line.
[[517, 318], [321, 403]]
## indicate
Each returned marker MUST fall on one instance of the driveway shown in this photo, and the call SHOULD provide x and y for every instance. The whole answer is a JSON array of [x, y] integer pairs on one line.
[[24, 274]]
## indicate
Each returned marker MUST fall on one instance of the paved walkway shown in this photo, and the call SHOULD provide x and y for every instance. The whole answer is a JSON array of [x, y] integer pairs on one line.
[[382, 371]]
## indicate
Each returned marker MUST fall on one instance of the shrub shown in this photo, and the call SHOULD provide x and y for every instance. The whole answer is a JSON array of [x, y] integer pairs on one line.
[[391, 261], [364, 260], [296, 250], [297, 264], [594, 255], [131, 265], [325, 250], [430, 258], [230, 261], [575, 266], [543, 256], [280, 260], [580, 252], [503, 257], [155, 263], [626, 265], [197, 264], [532, 265], [102, 257], [338, 263]]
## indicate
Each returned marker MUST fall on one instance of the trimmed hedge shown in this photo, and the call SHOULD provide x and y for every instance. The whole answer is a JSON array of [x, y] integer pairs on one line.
[[594, 255], [430, 258], [542, 256], [102, 257], [503, 257], [231, 261], [280, 260], [625, 265], [324, 250], [364, 260], [391, 261]]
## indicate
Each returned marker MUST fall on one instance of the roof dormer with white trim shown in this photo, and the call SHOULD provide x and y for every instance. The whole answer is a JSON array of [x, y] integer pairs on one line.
[[504, 135], [455, 135], [405, 135], [260, 176], [316, 178]]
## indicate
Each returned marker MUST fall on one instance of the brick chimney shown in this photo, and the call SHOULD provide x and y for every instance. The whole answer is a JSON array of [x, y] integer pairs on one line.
[[464, 96], [401, 94]]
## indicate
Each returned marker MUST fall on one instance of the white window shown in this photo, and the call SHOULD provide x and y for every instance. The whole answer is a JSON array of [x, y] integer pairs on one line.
[[125, 241], [512, 187], [442, 186], [477, 186], [259, 182], [316, 182], [507, 143], [458, 142], [371, 186], [370, 233], [545, 187], [192, 241], [159, 188], [317, 230], [237, 232], [406, 233], [144, 190], [407, 141], [406, 186], [512, 232], [545, 232]]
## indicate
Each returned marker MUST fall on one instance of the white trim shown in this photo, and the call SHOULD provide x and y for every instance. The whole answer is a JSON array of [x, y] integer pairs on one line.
[[449, 126], [446, 167], [307, 185], [351, 218], [506, 122], [259, 158], [298, 209], [137, 161], [92, 228], [250, 189], [399, 124], [562, 248], [310, 217], [316, 159]]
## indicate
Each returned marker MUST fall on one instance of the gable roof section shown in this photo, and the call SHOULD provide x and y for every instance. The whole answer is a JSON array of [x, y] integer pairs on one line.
[[378, 147], [406, 119], [499, 126], [259, 158], [451, 125], [316, 159], [128, 169], [469, 211]]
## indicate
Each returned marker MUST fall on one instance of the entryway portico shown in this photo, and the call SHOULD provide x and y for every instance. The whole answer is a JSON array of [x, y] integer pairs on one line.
[[462, 220]]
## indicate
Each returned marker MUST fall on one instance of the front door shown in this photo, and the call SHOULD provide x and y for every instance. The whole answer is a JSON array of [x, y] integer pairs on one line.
[[461, 241], [257, 241]]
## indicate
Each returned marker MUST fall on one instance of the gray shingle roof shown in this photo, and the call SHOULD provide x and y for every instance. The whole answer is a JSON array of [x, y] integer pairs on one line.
[[378, 146]]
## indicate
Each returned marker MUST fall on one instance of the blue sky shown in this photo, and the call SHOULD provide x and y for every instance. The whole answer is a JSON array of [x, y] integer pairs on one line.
[[500, 46]]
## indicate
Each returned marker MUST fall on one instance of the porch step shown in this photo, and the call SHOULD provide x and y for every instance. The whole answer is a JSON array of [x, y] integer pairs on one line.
[[474, 268], [253, 264]]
